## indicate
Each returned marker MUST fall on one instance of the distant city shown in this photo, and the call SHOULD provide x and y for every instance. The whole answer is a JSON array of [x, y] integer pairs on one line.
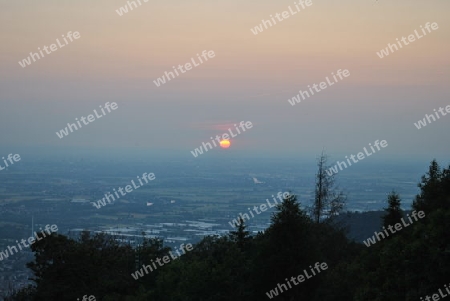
[[188, 200]]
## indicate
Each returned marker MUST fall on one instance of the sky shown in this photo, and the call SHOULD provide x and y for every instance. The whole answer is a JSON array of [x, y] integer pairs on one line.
[[250, 78]]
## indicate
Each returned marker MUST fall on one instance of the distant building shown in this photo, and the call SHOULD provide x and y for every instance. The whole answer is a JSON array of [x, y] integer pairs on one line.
[[79, 201], [256, 181]]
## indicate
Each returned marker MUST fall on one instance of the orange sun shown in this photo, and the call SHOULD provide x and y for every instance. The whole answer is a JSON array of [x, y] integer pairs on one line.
[[224, 143]]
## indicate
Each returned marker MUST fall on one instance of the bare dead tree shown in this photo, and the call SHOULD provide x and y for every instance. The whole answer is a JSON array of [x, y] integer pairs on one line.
[[328, 201]]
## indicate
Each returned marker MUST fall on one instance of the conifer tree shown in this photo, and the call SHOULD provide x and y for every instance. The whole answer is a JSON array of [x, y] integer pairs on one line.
[[328, 202], [241, 235], [434, 190], [393, 212]]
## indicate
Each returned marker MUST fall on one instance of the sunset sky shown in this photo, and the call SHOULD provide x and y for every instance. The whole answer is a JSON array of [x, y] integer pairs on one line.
[[251, 77]]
